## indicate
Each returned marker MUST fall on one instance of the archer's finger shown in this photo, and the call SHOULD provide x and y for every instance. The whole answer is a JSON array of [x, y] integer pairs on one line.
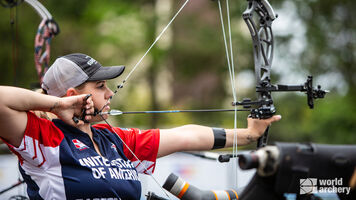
[[274, 118], [89, 103], [89, 107], [77, 121], [86, 98]]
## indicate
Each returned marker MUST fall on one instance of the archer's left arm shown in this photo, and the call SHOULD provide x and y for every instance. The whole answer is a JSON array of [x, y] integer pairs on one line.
[[202, 138]]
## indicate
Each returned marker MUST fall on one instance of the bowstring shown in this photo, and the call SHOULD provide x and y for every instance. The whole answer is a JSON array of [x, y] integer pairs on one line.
[[144, 55], [231, 67], [234, 91], [125, 80], [139, 161]]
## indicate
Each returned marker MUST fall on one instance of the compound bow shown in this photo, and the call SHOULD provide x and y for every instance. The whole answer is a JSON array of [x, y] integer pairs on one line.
[[260, 28], [263, 47]]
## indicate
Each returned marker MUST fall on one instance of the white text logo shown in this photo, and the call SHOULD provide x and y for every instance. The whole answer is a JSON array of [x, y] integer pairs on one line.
[[313, 185]]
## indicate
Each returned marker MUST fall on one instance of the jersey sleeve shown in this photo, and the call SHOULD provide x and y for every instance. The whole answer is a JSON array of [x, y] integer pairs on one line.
[[41, 140], [143, 143]]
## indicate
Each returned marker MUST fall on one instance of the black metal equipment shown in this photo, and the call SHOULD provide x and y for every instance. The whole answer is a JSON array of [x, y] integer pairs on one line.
[[282, 169], [297, 162]]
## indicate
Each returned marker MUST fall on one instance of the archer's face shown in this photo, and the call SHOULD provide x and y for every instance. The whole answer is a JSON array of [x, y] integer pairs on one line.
[[100, 94]]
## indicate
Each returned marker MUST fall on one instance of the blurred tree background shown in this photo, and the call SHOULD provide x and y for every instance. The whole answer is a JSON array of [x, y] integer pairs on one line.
[[187, 68]]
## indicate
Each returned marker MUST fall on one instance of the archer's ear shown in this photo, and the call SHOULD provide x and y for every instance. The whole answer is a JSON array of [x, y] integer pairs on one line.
[[71, 92]]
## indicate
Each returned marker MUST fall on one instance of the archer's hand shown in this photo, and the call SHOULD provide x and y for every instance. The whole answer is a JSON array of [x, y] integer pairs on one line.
[[256, 127], [68, 107]]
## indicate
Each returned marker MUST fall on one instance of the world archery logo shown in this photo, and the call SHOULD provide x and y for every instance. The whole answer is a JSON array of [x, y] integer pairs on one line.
[[313, 185], [308, 186], [79, 145]]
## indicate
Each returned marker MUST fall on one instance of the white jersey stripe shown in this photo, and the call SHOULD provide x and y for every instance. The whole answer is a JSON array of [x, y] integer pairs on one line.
[[48, 172]]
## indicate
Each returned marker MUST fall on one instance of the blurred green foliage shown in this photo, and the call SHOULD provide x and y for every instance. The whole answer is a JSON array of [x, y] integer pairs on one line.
[[189, 71]]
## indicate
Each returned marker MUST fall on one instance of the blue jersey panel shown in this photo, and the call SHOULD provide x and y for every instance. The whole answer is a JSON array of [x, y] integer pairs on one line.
[[88, 175]]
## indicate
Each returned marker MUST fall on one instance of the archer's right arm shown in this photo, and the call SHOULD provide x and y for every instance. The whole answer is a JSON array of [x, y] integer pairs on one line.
[[15, 102]]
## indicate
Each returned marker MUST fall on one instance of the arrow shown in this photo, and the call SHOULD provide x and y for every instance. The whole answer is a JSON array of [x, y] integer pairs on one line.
[[119, 112]]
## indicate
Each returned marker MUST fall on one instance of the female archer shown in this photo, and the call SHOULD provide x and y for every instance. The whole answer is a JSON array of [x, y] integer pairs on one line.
[[64, 158]]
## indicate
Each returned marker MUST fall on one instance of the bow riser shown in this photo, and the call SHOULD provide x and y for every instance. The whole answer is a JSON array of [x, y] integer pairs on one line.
[[263, 46]]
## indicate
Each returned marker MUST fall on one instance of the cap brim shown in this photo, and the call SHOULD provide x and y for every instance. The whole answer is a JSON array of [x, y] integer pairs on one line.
[[105, 73]]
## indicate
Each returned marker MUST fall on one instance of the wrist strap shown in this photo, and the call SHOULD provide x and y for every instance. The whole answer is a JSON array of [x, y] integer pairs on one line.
[[219, 138]]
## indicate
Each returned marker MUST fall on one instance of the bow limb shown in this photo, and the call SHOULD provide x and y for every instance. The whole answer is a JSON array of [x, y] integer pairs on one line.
[[47, 29], [45, 15], [40, 9]]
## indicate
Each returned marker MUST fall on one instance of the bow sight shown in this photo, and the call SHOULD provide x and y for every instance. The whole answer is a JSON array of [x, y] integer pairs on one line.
[[266, 109]]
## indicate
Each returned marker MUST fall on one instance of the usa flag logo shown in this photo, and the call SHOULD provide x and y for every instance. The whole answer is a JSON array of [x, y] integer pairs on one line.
[[113, 146], [79, 145]]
